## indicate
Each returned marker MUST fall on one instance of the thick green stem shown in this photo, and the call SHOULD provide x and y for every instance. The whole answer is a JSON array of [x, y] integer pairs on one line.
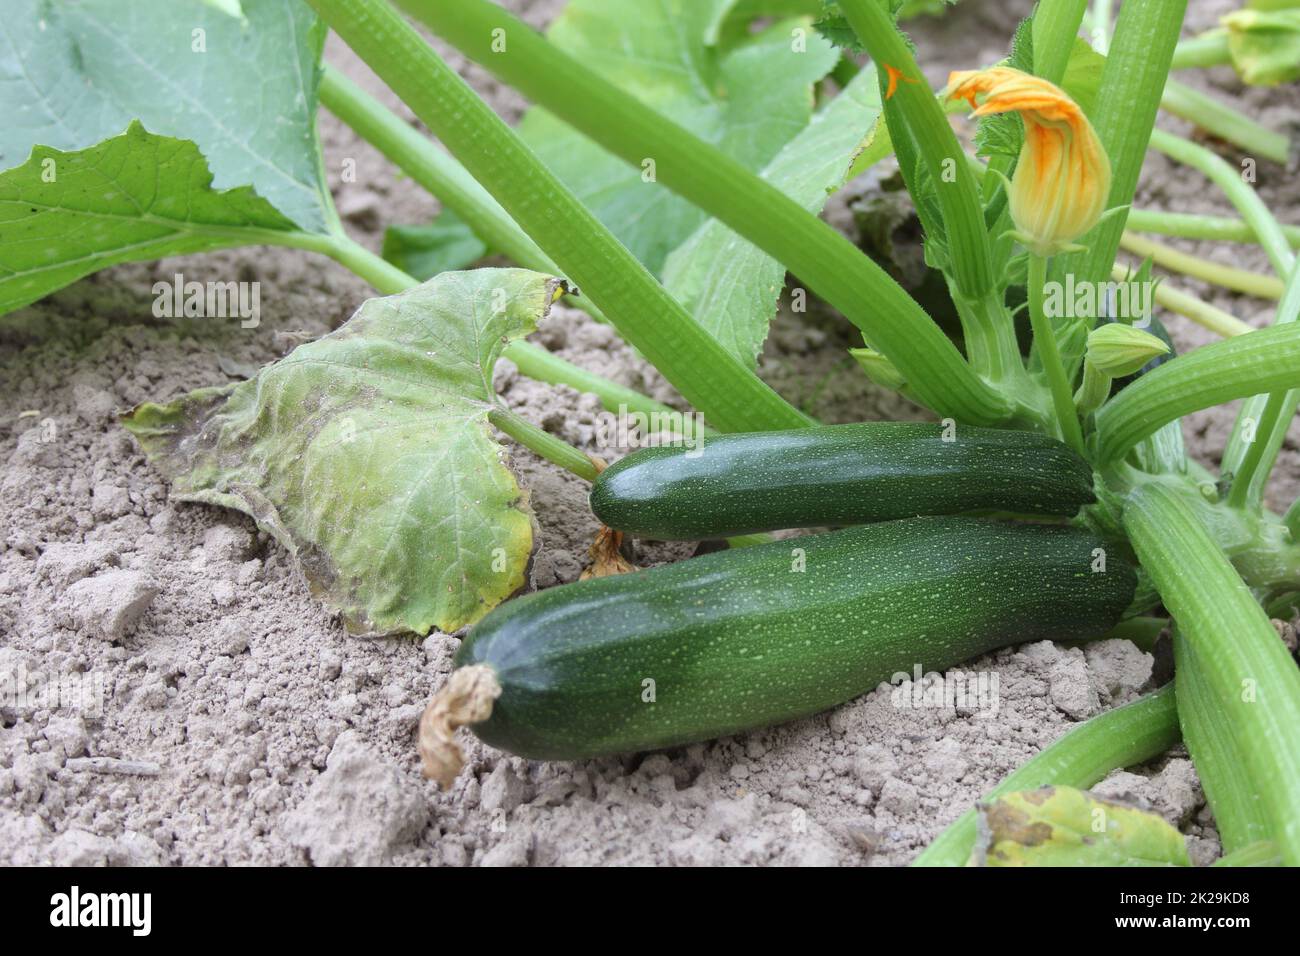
[[1228, 277], [439, 174], [1252, 687], [1056, 25], [1239, 193], [920, 130], [936, 143], [376, 270], [1193, 226], [432, 169], [1266, 360], [706, 374], [1251, 462], [1121, 737], [1045, 342], [1214, 745], [1127, 101], [1208, 49], [545, 366], [553, 449], [1226, 122], [825, 261]]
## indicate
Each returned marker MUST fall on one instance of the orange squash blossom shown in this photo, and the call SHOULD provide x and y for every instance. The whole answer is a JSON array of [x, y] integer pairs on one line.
[[1062, 181]]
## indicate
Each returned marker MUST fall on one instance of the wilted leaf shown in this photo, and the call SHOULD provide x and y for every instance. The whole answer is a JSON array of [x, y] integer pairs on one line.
[[1062, 826], [368, 453], [134, 197], [239, 80], [748, 99], [729, 284]]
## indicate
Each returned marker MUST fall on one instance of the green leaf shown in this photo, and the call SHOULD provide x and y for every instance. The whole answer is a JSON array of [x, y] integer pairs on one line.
[[748, 100], [242, 88], [134, 197], [446, 244], [368, 453], [730, 285], [1062, 826]]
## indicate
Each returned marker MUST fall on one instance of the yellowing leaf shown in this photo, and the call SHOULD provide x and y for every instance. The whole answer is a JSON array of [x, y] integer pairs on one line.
[[1062, 826], [368, 453]]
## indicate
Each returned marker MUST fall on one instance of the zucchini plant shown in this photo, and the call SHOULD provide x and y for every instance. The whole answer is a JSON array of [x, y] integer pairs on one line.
[[666, 179]]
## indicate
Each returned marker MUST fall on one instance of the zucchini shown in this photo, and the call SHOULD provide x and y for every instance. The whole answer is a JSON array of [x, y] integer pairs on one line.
[[743, 638], [837, 475]]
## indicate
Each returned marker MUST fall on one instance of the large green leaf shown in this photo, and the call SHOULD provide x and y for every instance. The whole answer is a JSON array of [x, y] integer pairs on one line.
[[748, 99], [368, 453], [132, 197], [729, 284], [1062, 826], [243, 88]]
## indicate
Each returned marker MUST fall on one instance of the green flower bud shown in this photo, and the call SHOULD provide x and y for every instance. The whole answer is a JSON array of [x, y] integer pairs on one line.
[[1093, 391], [1118, 350]]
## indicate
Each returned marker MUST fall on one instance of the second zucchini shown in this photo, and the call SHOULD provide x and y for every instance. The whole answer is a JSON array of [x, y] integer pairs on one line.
[[837, 475]]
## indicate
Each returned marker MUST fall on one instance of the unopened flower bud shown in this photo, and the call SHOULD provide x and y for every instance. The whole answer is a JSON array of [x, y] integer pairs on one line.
[[1117, 349]]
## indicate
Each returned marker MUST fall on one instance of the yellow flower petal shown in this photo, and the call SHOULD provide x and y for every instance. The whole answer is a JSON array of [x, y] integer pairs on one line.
[[1062, 181]]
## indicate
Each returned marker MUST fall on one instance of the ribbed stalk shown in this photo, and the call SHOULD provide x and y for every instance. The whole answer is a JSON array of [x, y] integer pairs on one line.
[[825, 261], [1251, 686], [936, 144], [1127, 102], [1056, 25], [1045, 342], [706, 374], [1251, 462], [1266, 360]]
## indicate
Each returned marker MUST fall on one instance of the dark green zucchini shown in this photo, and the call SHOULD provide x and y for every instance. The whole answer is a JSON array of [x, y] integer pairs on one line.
[[743, 638], [837, 475]]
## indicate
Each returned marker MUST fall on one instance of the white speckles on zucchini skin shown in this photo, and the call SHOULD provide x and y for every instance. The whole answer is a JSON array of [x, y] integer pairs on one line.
[[737, 639]]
